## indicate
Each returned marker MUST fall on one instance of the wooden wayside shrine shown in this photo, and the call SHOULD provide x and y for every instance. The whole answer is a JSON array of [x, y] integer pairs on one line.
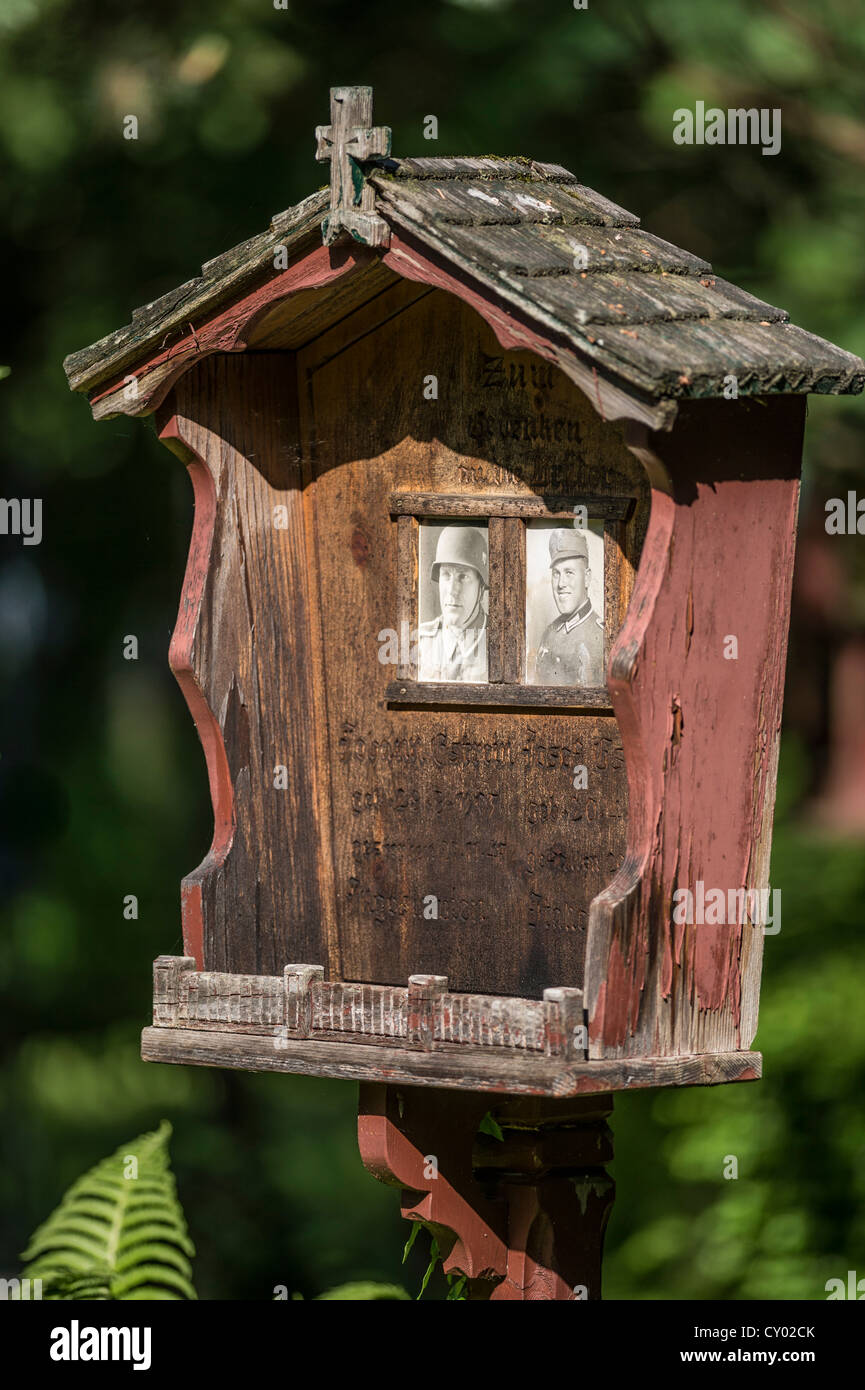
[[483, 631]]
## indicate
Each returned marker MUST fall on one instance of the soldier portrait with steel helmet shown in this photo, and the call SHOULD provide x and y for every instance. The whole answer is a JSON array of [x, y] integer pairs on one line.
[[571, 650], [453, 645]]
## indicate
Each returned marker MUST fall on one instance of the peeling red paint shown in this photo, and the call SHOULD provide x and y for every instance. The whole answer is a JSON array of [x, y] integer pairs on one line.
[[717, 563], [614, 1001], [180, 659], [192, 918]]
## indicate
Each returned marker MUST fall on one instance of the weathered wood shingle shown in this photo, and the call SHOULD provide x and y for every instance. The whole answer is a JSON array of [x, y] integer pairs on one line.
[[642, 312], [221, 278]]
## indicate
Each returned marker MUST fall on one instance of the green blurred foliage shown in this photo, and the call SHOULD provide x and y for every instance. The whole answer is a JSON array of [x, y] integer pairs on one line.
[[104, 790]]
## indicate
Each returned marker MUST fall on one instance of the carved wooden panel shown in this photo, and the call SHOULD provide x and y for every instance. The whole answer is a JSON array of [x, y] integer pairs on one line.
[[386, 841], [240, 651], [467, 814]]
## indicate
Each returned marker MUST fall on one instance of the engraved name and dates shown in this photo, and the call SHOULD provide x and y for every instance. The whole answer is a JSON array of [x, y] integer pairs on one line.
[[437, 748], [384, 909], [437, 801], [455, 801]]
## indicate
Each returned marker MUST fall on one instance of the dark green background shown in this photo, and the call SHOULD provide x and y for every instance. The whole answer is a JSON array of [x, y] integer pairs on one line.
[[104, 786]]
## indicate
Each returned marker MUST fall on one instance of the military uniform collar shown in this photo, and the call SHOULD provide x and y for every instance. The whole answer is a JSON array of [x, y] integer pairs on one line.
[[580, 616]]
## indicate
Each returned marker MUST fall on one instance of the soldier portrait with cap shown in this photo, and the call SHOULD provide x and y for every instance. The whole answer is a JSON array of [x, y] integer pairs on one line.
[[453, 645], [571, 650]]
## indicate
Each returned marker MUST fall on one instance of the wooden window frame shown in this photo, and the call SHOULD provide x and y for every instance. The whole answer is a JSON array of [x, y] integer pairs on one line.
[[507, 516]]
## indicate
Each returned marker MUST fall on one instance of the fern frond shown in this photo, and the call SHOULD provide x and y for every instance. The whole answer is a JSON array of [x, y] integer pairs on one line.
[[117, 1236], [60, 1284], [162, 1276], [157, 1251], [88, 1233], [152, 1293], [150, 1210], [135, 1231]]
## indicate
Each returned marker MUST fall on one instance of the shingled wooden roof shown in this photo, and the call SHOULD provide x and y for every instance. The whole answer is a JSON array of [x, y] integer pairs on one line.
[[648, 316]]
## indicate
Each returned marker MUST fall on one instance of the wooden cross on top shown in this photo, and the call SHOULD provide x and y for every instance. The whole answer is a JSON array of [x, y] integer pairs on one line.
[[348, 139]]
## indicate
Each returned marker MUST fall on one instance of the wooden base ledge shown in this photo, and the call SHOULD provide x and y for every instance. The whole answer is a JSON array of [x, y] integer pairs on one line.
[[452, 1067]]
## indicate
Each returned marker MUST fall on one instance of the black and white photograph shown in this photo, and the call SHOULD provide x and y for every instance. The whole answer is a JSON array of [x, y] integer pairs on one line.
[[564, 604], [453, 579]]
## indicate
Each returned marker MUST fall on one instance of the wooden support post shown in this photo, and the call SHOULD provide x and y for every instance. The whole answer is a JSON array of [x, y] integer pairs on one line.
[[299, 980], [422, 993], [166, 987], [565, 1033], [523, 1217], [558, 1195]]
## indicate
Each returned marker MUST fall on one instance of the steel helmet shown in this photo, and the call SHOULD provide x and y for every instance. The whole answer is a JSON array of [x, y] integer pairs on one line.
[[462, 545]]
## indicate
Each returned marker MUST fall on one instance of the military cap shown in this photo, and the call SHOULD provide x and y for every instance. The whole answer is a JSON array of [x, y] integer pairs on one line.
[[568, 544], [462, 545]]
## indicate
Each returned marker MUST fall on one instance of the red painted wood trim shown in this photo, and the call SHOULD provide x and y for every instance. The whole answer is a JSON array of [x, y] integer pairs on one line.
[[180, 659], [398, 1135], [412, 264], [530, 1216], [408, 259], [228, 330], [699, 732]]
